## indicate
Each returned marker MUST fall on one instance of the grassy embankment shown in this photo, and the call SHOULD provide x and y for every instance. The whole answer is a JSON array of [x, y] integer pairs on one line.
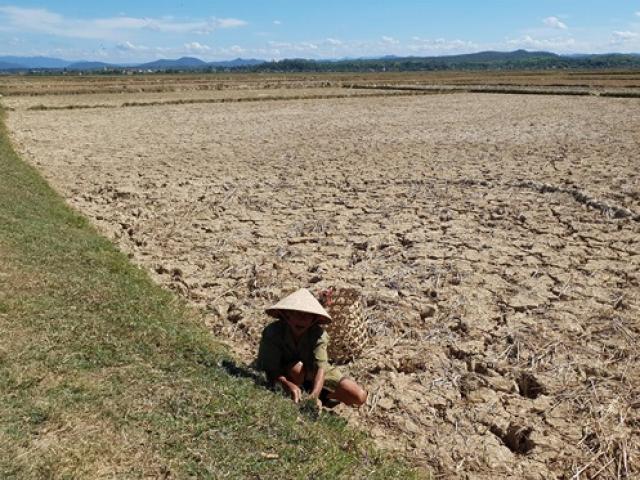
[[103, 374]]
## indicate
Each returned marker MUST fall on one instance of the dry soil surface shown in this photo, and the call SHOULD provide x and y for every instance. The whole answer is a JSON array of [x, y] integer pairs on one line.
[[495, 239], [111, 100]]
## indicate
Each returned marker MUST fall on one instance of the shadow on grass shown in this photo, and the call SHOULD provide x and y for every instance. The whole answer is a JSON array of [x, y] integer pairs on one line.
[[245, 371]]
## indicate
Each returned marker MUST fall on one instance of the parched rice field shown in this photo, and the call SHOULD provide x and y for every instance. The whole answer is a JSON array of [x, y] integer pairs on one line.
[[495, 238], [110, 100]]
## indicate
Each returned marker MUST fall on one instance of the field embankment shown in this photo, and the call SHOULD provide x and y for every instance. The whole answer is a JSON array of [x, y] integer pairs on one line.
[[103, 374], [198, 83]]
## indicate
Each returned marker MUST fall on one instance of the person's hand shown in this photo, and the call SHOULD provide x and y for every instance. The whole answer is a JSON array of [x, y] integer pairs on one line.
[[318, 401], [311, 406], [295, 392]]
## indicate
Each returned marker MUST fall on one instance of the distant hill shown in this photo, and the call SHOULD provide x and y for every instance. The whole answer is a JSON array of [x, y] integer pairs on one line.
[[10, 66], [190, 63], [494, 56], [238, 62], [90, 66], [179, 64], [35, 62]]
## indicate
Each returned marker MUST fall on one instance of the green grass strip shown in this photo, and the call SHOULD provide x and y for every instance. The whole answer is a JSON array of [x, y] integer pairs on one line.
[[103, 374]]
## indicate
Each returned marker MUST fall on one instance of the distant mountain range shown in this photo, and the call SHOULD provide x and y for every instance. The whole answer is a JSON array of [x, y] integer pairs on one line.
[[184, 63], [519, 59]]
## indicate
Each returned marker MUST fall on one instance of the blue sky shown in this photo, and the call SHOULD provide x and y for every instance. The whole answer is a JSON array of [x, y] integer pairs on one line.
[[212, 30]]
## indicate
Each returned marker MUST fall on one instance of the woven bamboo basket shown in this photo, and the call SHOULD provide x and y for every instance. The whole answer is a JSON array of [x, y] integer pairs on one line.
[[348, 331]]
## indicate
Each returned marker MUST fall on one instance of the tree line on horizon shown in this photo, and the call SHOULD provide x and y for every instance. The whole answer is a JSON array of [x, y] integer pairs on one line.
[[482, 61], [478, 62]]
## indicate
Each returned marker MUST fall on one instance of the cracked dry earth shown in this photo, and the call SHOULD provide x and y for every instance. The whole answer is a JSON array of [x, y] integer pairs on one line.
[[495, 239]]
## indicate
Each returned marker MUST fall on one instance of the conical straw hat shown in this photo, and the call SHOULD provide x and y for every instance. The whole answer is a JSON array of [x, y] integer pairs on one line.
[[300, 301]]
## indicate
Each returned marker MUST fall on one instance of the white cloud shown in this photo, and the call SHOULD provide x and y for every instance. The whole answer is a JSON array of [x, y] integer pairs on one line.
[[43, 21], [637, 14], [300, 47], [127, 50], [280, 44], [625, 41], [558, 43], [196, 47], [625, 35], [277, 22], [429, 46], [228, 23], [332, 48], [333, 41], [114, 23], [130, 47], [554, 22]]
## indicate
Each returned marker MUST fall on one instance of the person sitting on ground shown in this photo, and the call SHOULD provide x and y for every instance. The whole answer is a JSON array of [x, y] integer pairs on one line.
[[293, 353]]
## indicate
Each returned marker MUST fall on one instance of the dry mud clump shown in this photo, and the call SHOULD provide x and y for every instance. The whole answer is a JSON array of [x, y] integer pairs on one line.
[[501, 280]]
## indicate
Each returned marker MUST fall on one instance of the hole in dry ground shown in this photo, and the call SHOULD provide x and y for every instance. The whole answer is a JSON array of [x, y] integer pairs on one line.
[[516, 438], [529, 386]]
